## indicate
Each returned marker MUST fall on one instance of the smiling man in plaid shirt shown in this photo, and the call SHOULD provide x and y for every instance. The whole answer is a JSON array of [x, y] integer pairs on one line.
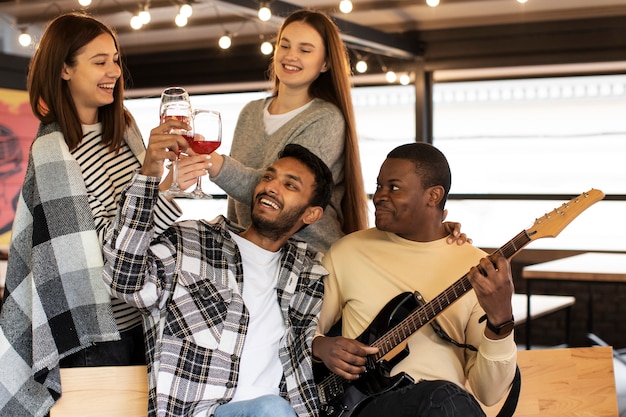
[[229, 313]]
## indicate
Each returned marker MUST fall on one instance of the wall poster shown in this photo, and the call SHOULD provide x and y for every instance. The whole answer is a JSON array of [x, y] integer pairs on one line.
[[18, 127]]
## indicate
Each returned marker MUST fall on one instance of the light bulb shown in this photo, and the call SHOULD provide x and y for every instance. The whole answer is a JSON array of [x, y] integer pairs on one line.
[[390, 76], [522, 1], [432, 3], [84, 3], [361, 66], [186, 10], [405, 79], [225, 42], [145, 17], [267, 48], [180, 20], [345, 6], [24, 39], [265, 14], [135, 22]]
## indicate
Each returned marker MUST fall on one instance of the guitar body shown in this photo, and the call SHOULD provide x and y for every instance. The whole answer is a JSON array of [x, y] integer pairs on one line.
[[376, 379]]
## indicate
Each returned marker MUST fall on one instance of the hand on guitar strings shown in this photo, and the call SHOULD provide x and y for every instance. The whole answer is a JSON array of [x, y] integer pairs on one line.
[[342, 356]]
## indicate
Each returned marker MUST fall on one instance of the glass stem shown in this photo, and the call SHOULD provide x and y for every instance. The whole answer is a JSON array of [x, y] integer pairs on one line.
[[175, 186]]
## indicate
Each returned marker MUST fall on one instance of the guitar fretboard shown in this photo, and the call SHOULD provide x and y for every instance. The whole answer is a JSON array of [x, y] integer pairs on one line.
[[424, 314]]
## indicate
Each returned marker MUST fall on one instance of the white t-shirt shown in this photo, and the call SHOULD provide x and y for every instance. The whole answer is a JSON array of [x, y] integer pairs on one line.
[[273, 122], [260, 370]]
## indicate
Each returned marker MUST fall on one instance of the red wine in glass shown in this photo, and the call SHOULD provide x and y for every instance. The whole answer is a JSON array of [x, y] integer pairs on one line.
[[205, 147], [175, 104], [206, 137]]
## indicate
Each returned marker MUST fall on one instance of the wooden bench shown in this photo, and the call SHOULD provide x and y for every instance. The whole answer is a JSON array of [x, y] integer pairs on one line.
[[571, 382], [104, 391]]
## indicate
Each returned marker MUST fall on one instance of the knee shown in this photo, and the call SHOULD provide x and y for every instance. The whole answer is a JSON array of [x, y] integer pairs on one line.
[[448, 399], [273, 405]]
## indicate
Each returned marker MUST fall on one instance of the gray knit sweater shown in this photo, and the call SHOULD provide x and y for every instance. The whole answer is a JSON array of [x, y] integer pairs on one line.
[[320, 128]]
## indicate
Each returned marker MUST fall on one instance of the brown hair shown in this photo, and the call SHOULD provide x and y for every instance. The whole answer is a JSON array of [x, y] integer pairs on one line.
[[50, 97], [334, 87]]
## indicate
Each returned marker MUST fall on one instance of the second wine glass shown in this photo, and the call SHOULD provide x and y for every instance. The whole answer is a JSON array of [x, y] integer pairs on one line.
[[206, 137]]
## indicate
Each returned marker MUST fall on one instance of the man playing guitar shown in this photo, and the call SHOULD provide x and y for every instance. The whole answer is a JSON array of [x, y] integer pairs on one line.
[[407, 252]]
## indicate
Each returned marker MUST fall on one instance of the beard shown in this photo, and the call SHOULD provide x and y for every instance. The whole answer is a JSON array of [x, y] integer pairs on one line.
[[275, 229]]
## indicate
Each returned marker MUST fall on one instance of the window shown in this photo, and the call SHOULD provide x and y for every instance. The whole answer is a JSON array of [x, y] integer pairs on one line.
[[517, 150], [523, 139]]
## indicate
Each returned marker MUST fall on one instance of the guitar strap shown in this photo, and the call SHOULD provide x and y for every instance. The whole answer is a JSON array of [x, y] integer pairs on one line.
[[510, 404]]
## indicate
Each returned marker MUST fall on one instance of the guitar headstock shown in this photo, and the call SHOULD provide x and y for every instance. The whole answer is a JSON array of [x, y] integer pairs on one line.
[[551, 224]]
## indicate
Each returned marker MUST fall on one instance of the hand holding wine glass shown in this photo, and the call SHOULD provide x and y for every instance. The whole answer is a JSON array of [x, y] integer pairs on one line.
[[205, 137]]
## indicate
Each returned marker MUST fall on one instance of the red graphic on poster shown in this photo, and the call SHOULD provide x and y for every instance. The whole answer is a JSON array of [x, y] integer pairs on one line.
[[18, 127]]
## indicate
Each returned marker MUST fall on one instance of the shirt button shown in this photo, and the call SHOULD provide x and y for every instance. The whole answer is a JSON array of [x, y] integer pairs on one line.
[[229, 384], [205, 294], [242, 320], [233, 357], [305, 281]]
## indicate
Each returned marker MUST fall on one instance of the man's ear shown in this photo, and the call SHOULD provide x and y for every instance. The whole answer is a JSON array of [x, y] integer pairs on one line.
[[312, 214], [436, 193], [65, 72]]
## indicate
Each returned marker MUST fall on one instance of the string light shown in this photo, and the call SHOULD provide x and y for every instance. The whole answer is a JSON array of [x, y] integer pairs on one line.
[[361, 66], [84, 3], [391, 76], [184, 13], [432, 3], [185, 10], [180, 20], [135, 22], [25, 39], [225, 41], [345, 6], [405, 79], [144, 15], [265, 13], [267, 48]]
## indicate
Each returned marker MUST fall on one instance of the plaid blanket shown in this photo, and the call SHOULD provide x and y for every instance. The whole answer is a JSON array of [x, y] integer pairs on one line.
[[56, 302]]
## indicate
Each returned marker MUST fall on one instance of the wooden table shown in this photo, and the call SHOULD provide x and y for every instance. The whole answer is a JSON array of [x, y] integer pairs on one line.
[[591, 267], [573, 382]]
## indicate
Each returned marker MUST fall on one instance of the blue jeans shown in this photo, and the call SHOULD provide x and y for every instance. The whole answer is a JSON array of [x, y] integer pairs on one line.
[[265, 406], [424, 399]]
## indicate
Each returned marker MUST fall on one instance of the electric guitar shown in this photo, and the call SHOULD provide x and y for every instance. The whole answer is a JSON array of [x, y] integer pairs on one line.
[[406, 314]]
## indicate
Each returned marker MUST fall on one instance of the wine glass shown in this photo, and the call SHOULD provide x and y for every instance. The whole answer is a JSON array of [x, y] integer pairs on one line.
[[205, 137], [175, 104]]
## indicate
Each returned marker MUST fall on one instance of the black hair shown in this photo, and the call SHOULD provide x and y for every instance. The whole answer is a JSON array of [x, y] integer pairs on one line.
[[430, 163], [323, 177]]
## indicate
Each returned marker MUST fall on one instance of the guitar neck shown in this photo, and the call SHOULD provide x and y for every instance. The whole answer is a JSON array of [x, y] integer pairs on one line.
[[424, 314]]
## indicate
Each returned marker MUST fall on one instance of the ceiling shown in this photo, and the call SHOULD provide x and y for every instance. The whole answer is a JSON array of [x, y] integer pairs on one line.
[[385, 32]]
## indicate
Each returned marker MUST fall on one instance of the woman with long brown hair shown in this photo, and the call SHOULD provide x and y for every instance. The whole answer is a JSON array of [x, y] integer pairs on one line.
[[311, 104], [57, 311]]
